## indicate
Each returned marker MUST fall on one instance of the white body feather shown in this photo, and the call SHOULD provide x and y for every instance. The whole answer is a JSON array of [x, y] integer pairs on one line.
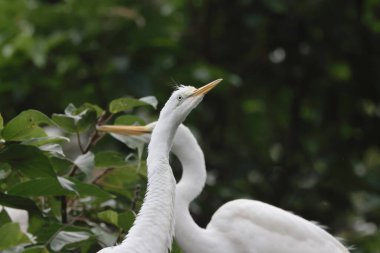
[[239, 226], [153, 229]]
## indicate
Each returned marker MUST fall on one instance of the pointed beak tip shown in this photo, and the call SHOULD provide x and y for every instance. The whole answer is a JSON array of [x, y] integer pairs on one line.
[[206, 88]]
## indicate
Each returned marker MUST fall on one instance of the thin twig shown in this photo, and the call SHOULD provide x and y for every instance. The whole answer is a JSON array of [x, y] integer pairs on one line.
[[80, 143], [94, 138], [136, 197], [63, 209]]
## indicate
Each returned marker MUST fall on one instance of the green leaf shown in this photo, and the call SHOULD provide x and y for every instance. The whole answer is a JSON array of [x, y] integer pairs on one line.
[[75, 119], [123, 104], [105, 237], [151, 100], [109, 216], [11, 235], [99, 111], [75, 123], [90, 190], [26, 125], [29, 160], [126, 219], [107, 159], [86, 163], [65, 238], [54, 187], [36, 249], [129, 120], [39, 187], [4, 217], [61, 165], [46, 140], [20, 203]]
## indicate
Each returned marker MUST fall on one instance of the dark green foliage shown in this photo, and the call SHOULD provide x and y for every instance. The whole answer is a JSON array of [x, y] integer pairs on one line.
[[295, 122]]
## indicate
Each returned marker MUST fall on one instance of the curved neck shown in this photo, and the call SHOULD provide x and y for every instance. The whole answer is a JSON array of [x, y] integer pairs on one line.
[[186, 148]]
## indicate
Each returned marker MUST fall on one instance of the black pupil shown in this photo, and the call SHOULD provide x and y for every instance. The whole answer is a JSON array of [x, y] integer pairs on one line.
[[179, 97]]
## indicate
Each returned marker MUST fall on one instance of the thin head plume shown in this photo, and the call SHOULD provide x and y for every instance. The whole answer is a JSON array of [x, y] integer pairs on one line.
[[174, 84]]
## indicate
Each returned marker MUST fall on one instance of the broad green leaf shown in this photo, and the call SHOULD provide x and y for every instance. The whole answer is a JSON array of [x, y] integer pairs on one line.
[[123, 104], [65, 122], [20, 203], [36, 249], [99, 111], [54, 187], [129, 120], [75, 123], [86, 163], [126, 219], [46, 140], [109, 216], [4, 217], [120, 179], [151, 100], [29, 160], [109, 159], [105, 237], [39, 187], [26, 125], [90, 190], [75, 119], [61, 165], [65, 238], [11, 235]]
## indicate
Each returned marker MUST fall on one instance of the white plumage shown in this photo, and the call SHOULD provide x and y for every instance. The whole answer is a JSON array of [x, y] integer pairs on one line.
[[153, 229], [239, 226]]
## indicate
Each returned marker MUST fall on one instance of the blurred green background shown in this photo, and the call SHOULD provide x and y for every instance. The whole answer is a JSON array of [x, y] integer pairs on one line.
[[295, 122]]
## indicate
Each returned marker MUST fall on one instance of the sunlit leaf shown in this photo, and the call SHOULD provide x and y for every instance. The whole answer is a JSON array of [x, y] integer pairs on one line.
[[99, 111], [11, 235], [86, 162], [109, 216], [46, 140], [75, 123], [28, 160], [151, 100], [123, 104], [105, 237], [64, 238], [26, 125], [109, 159], [129, 120]]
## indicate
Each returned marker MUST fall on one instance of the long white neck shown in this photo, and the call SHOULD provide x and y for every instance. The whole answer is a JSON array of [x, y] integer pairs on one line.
[[187, 233], [153, 229]]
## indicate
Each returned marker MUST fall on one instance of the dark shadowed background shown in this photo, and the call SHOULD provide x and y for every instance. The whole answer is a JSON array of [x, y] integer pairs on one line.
[[295, 123]]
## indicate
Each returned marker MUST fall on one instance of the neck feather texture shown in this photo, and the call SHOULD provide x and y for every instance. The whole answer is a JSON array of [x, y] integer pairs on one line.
[[153, 229]]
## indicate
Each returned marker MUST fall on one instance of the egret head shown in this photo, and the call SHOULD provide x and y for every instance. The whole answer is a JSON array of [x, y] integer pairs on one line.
[[183, 100]]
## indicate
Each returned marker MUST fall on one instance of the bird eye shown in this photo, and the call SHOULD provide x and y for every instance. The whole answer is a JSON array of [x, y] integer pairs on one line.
[[179, 98]]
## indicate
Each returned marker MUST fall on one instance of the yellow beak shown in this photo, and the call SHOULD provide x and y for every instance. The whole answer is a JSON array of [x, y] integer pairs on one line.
[[204, 89], [125, 130]]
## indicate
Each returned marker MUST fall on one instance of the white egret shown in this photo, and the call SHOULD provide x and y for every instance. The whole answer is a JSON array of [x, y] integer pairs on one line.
[[239, 226], [153, 229]]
